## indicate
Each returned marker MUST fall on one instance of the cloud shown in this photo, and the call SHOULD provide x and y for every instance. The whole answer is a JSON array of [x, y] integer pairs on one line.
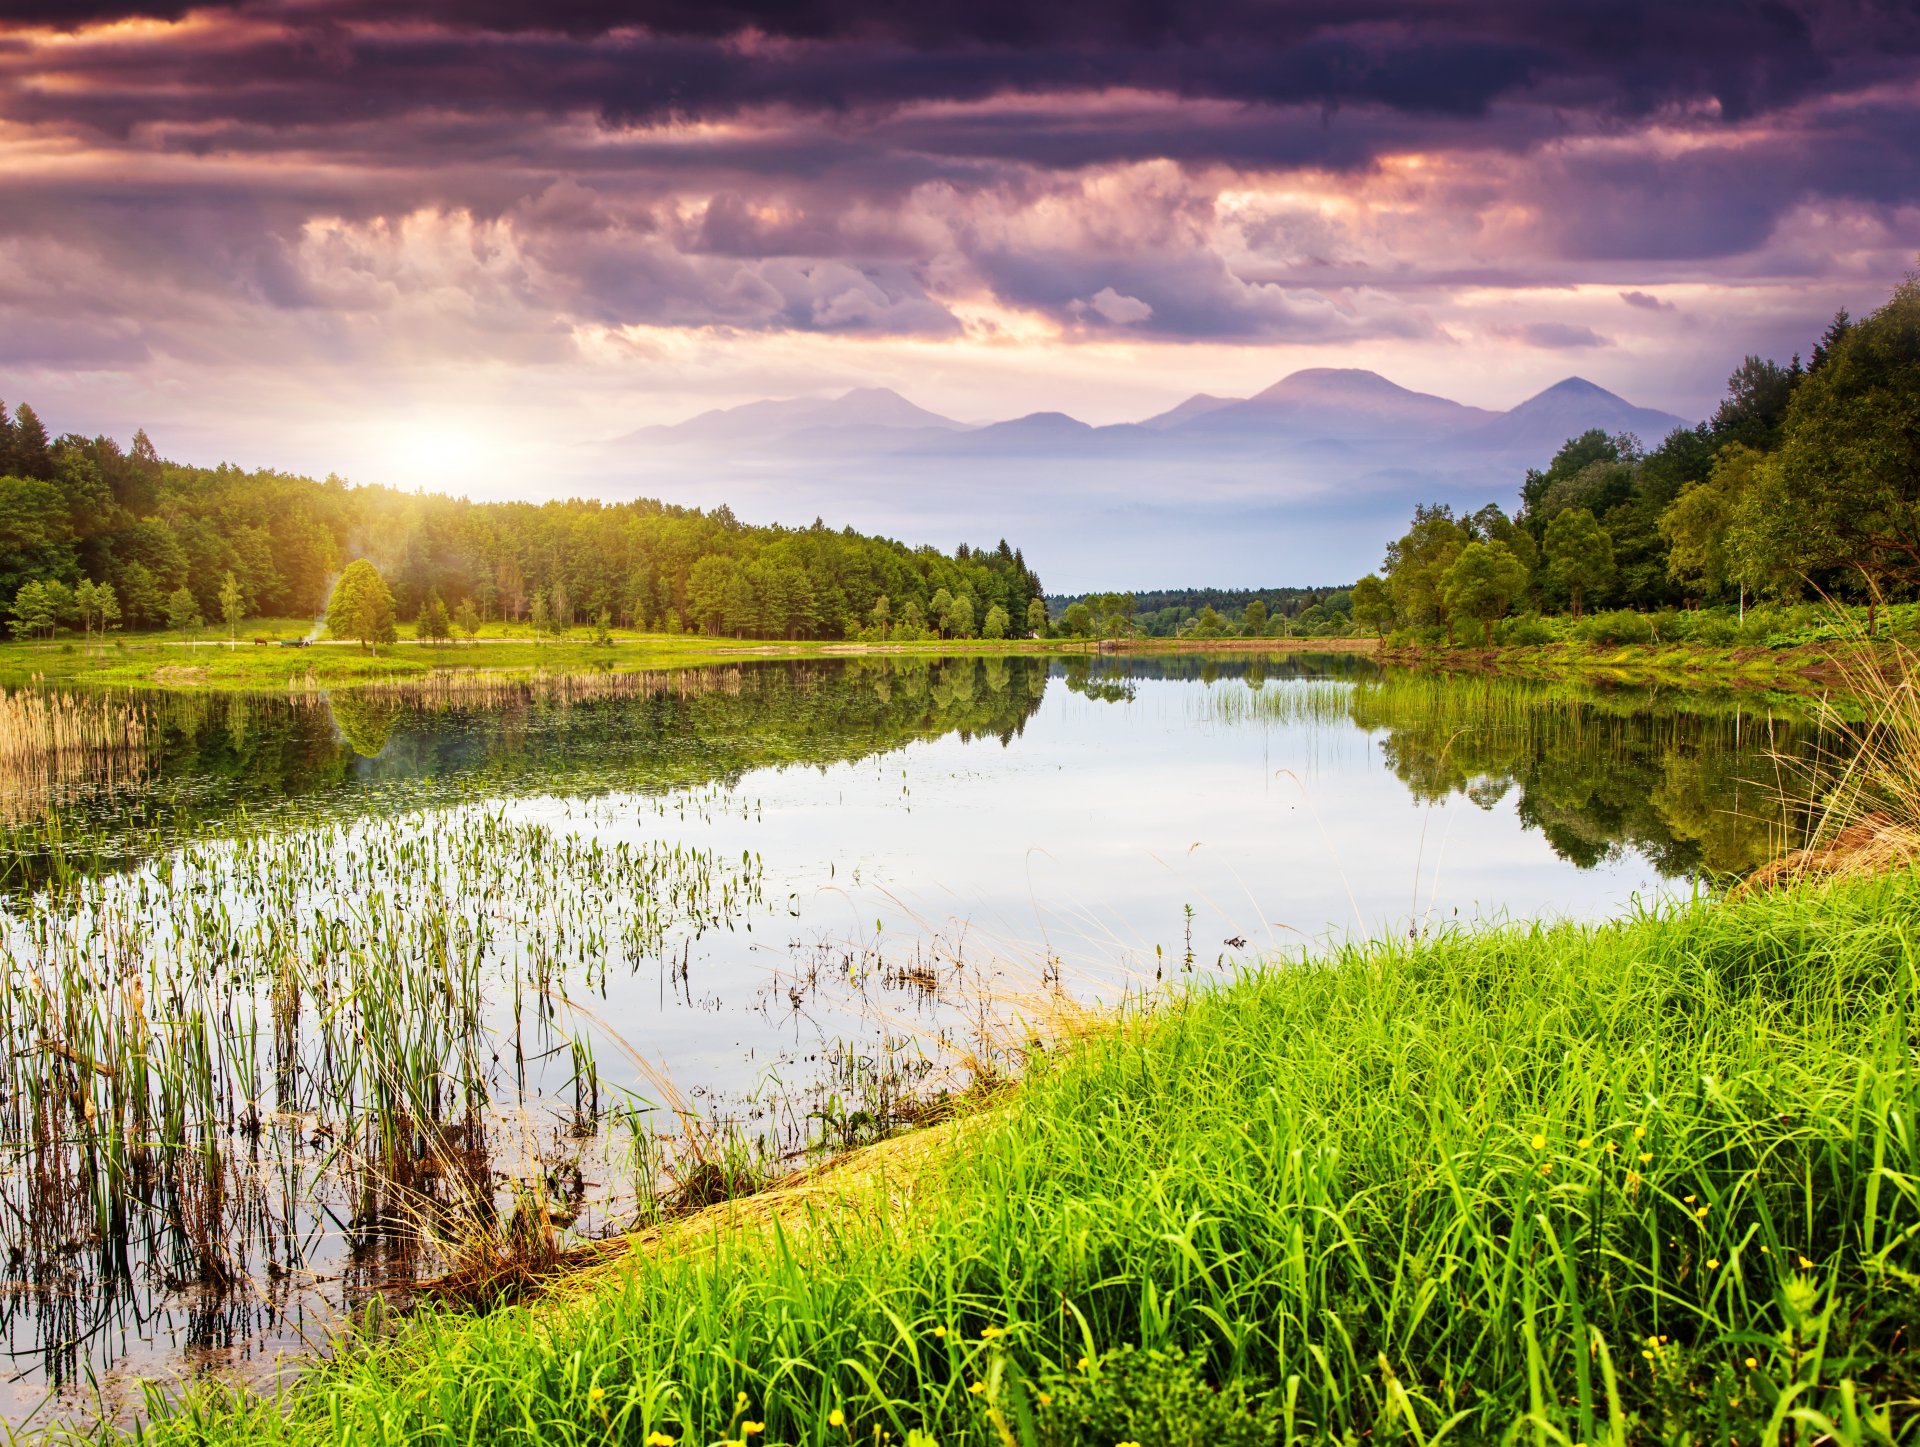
[[1116, 307], [1646, 301], [1554, 336]]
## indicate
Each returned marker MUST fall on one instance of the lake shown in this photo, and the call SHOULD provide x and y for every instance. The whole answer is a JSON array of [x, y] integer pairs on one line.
[[304, 991]]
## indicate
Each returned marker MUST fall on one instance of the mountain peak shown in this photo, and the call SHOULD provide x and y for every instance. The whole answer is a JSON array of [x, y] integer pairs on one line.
[[1332, 382]]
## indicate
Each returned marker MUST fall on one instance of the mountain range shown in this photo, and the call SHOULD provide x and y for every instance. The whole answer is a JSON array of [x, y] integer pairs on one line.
[[1304, 482]]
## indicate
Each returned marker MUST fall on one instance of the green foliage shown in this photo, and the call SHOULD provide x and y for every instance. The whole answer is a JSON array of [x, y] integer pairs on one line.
[[1162, 1396], [361, 607], [995, 623], [1372, 607], [1579, 554], [183, 612], [1037, 616], [1484, 582], [233, 603]]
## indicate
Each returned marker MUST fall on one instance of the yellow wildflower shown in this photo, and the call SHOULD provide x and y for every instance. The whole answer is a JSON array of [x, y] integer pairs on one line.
[[594, 1394], [1585, 1141], [1639, 1132], [977, 1388], [1081, 1364], [1611, 1148], [836, 1418], [1645, 1156], [1045, 1398], [940, 1331], [1805, 1265], [1713, 1263], [1752, 1362], [988, 1333], [658, 1438], [1539, 1143], [747, 1429]]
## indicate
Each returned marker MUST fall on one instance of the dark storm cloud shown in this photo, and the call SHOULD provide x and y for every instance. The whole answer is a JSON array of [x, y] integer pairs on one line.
[[755, 166]]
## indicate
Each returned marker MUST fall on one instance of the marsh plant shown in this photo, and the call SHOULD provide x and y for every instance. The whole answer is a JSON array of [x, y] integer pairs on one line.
[[249, 1057]]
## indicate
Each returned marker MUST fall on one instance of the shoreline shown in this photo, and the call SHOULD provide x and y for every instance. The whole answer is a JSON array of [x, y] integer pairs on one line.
[[909, 1269]]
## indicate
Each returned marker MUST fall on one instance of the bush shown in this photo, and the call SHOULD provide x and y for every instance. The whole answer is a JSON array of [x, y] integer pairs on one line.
[[1157, 1397], [1621, 625], [1709, 629], [1527, 630]]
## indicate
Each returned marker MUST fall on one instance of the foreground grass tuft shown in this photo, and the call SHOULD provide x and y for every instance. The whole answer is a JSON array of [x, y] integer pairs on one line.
[[1656, 1181]]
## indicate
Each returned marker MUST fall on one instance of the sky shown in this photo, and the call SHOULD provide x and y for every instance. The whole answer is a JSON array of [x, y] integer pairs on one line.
[[449, 243]]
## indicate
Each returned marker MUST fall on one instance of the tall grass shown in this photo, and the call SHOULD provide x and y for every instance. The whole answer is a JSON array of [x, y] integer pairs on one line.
[[1656, 1181], [52, 741]]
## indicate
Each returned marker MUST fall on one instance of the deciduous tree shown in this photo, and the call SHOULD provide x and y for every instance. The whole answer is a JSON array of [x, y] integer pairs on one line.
[[362, 607]]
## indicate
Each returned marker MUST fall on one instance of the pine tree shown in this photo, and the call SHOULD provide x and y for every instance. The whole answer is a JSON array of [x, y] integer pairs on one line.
[[32, 451]]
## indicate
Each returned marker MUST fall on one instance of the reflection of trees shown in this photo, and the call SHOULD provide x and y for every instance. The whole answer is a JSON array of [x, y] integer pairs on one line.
[[1692, 783], [215, 758], [365, 720]]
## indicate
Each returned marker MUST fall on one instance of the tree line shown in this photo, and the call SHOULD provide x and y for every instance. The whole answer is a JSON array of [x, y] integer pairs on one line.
[[1204, 613], [1804, 482], [92, 535]]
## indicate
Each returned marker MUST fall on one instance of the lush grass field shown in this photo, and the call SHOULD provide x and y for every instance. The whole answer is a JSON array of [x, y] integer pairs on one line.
[[171, 660], [1650, 1182]]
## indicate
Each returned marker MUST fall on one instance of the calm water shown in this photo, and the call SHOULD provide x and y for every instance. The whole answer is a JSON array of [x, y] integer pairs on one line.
[[762, 905]]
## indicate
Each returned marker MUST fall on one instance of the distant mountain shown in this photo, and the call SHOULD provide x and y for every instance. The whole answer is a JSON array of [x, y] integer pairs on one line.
[[1198, 405], [865, 409], [1341, 402], [1302, 482], [1543, 422]]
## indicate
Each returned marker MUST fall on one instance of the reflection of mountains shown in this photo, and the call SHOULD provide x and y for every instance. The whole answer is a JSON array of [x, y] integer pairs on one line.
[[1693, 784], [215, 761]]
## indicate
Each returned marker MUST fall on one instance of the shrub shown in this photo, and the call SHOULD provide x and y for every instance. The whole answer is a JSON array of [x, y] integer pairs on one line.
[[1158, 1397], [1527, 630], [1622, 625]]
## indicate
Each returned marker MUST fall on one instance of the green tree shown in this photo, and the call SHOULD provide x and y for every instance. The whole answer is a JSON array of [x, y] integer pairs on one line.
[[33, 611], [1253, 619], [1372, 607], [144, 601], [960, 617], [1077, 620], [1484, 582], [96, 605], [880, 620], [537, 616], [560, 610], [434, 625], [362, 607], [468, 619], [995, 624], [233, 606], [1849, 459], [939, 609], [1579, 554], [183, 612], [1417, 563], [1037, 617]]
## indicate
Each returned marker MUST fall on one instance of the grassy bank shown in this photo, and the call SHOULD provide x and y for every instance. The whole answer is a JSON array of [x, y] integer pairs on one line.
[[160, 661], [1801, 668], [1654, 1181]]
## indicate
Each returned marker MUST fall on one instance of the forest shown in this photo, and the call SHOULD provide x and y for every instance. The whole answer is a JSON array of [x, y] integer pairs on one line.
[[1805, 483], [1204, 613], [92, 536]]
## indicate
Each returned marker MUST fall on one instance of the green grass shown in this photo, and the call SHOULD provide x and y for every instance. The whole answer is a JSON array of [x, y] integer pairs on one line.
[[175, 661], [1650, 1182]]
